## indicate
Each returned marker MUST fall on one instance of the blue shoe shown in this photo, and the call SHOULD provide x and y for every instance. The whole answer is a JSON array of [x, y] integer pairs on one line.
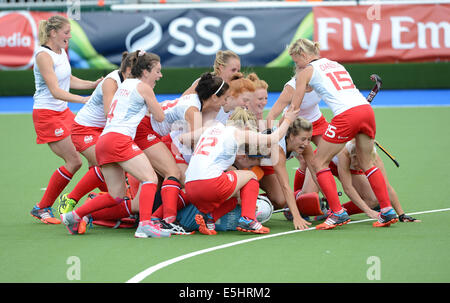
[[249, 225], [386, 219], [334, 220], [44, 215]]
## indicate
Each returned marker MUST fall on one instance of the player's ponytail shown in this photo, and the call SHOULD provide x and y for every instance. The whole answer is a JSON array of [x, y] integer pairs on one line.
[[125, 63], [239, 85], [141, 60], [257, 82], [304, 45], [55, 22]]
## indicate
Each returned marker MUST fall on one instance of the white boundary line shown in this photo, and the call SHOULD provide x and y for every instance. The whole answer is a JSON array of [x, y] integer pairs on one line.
[[149, 271]]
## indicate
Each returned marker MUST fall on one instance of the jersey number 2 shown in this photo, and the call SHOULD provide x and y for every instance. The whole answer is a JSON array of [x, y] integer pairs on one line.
[[205, 142]]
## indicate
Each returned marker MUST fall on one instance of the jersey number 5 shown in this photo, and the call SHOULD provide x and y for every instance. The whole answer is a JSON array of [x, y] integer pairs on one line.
[[330, 132], [341, 80]]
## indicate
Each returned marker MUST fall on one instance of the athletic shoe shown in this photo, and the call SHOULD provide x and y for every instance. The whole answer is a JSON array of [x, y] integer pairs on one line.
[[386, 219], [44, 215], [288, 215], [334, 220], [175, 228], [72, 224], [252, 226], [66, 204], [326, 213], [86, 222], [206, 224], [147, 229]]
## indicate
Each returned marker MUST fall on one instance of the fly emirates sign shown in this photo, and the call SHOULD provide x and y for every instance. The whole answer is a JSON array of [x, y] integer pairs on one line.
[[383, 33]]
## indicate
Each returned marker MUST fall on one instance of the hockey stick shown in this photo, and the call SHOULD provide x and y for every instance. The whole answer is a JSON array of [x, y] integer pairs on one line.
[[376, 88], [372, 94]]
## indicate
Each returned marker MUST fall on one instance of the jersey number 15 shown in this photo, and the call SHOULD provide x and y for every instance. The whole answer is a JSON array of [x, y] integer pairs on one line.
[[341, 80]]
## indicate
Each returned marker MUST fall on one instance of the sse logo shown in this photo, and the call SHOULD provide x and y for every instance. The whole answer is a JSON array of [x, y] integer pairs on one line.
[[18, 40]]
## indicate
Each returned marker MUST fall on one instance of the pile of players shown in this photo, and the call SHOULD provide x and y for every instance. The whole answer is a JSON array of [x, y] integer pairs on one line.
[[199, 162]]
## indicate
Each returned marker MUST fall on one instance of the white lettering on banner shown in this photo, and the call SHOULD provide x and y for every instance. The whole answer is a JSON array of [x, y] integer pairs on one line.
[[324, 30], [230, 34], [25, 37], [397, 29], [179, 35], [15, 40], [216, 42], [434, 29], [235, 29], [429, 34], [370, 46]]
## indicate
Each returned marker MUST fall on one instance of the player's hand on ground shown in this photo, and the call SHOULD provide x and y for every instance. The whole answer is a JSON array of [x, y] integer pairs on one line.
[[301, 224], [372, 214], [406, 218]]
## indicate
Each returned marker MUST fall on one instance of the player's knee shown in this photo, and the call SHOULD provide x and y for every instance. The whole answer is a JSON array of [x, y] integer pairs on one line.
[[74, 163], [151, 177]]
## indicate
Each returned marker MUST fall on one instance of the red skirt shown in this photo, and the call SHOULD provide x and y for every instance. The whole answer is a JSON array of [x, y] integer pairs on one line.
[[51, 125]]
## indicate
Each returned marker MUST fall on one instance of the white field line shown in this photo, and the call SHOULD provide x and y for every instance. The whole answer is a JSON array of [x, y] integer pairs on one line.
[[149, 271]]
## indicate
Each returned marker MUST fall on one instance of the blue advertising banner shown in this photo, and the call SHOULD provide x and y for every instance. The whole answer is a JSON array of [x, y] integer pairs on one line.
[[191, 37]]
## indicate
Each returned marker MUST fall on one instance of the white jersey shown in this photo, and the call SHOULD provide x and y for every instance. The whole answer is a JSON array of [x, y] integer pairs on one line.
[[127, 109], [215, 152], [175, 110], [184, 150], [93, 113], [334, 85], [222, 116], [43, 99], [309, 109]]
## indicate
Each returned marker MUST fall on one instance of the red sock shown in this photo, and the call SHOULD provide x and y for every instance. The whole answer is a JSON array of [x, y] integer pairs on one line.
[[121, 210], [99, 202], [299, 179], [378, 184], [58, 181], [328, 186], [224, 208], [249, 195], [90, 181], [169, 194], [146, 199], [181, 203], [351, 208]]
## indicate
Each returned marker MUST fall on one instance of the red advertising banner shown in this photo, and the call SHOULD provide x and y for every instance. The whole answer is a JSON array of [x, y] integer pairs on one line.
[[19, 38], [383, 33]]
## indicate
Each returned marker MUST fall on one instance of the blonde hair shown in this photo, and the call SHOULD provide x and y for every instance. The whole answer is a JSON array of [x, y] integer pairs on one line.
[[222, 59], [304, 45], [351, 147], [242, 118], [55, 22], [298, 125], [239, 84], [258, 82]]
